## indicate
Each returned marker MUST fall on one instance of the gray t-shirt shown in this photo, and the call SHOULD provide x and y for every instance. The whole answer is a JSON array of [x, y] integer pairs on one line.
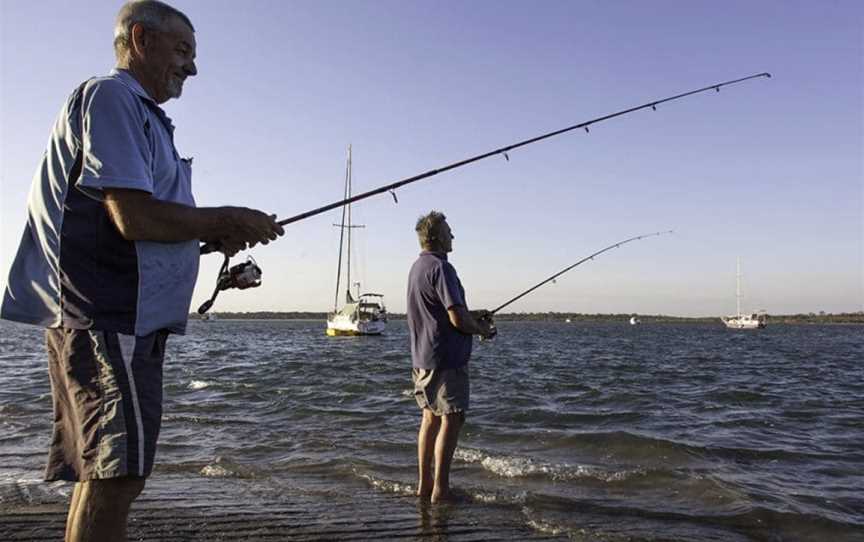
[[434, 287], [73, 269]]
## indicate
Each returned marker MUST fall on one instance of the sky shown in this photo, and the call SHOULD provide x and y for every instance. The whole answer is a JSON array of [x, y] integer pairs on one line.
[[769, 170]]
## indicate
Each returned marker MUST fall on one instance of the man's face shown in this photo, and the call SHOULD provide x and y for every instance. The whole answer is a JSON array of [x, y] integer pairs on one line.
[[169, 59], [445, 237]]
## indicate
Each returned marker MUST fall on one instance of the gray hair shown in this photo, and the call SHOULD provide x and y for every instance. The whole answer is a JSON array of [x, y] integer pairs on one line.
[[428, 227], [151, 14]]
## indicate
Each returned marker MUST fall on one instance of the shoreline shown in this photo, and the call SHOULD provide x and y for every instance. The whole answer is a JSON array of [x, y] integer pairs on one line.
[[236, 509], [575, 318]]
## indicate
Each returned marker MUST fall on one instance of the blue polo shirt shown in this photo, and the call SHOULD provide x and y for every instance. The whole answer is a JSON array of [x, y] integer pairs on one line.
[[73, 269], [433, 288]]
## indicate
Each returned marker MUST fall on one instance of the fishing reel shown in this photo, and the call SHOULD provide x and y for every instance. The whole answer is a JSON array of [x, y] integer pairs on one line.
[[241, 276], [486, 316]]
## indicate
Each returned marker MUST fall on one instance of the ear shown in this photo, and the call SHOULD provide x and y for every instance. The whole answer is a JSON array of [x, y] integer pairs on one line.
[[139, 38]]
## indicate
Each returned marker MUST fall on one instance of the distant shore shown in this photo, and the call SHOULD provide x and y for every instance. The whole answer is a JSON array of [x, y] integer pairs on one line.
[[809, 318]]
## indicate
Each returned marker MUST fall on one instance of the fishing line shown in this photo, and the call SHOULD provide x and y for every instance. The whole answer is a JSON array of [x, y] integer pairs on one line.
[[580, 262]]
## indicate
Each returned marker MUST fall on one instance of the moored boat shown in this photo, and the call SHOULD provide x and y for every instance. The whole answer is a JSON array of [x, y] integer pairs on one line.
[[363, 314], [752, 320]]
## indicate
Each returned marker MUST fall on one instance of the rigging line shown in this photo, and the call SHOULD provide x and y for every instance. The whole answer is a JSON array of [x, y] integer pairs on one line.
[[346, 194], [583, 260], [211, 247]]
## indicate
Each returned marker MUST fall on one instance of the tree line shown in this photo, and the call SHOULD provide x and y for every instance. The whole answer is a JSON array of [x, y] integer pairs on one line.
[[800, 318]]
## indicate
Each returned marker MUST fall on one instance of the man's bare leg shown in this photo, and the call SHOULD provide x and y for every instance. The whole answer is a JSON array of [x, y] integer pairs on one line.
[[426, 438], [73, 507], [102, 509], [445, 446]]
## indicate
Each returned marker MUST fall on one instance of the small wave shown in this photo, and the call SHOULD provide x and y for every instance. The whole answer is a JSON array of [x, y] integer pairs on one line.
[[585, 532], [387, 486], [521, 467], [498, 497], [32, 491], [199, 384], [546, 527], [469, 494], [408, 393], [11, 409], [216, 471], [738, 397], [223, 468]]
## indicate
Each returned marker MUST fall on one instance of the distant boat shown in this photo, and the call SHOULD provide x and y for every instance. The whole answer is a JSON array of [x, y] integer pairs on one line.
[[753, 320], [208, 317], [364, 314], [567, 320], [634, 320]]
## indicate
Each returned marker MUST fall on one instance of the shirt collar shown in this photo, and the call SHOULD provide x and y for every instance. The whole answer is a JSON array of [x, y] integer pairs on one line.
[[441, 255], [127, 79], [132, 83]]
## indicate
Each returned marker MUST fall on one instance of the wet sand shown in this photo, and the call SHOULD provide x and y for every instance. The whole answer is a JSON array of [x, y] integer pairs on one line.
[[214, 509]]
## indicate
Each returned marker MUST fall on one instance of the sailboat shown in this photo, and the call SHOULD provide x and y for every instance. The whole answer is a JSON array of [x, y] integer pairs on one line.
[[363, 314], [753, 320]]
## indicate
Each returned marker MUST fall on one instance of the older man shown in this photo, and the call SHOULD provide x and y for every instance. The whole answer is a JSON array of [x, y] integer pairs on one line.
[[108, 262], [441, 330]]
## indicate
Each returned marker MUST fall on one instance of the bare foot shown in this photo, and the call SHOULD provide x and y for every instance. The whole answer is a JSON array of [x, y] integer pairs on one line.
[[444, 496], [424, 492]]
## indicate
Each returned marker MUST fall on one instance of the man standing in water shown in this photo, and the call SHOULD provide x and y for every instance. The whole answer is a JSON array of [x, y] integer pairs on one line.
[[108, 262], [441, 329]]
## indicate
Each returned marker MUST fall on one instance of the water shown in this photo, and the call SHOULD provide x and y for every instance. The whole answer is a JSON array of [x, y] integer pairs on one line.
[[585, 431]]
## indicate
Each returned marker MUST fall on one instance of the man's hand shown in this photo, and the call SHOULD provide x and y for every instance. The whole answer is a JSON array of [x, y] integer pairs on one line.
[[468, 322], [248, 228], [483, 318], [231, 246], [252, 226]]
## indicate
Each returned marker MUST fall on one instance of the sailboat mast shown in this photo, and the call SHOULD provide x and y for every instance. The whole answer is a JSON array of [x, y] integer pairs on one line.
[[738, 287], [347, 196], [342, 232]]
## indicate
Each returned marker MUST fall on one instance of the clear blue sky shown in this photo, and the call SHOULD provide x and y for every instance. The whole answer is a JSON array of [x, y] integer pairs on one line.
[[770, 170]]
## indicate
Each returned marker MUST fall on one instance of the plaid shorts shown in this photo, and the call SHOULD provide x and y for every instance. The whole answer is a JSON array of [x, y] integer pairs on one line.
[[107, 394], [443, 391]]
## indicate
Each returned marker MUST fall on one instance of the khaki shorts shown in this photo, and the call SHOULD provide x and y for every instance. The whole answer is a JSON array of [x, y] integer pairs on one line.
[[107, 393], [443, 391]]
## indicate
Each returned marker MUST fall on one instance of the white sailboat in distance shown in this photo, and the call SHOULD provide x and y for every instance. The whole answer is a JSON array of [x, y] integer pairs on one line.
[[753, 320], [364, 314]]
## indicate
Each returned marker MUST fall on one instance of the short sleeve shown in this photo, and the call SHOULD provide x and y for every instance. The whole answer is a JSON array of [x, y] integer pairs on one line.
[[117, 149], [448, 287]]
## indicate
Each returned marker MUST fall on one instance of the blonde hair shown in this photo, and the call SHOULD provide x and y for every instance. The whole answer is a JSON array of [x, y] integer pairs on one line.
[[428, 227]]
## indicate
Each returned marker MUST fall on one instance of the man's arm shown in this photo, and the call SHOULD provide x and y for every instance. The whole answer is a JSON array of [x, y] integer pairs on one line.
[[467, 323], [140, 217]]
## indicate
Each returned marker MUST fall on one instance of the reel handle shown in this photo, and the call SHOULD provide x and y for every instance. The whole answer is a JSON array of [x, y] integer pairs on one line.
[[205, 306], [210, 247]]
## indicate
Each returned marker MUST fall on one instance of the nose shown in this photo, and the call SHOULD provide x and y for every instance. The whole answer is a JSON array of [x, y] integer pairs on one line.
[[191, 69]]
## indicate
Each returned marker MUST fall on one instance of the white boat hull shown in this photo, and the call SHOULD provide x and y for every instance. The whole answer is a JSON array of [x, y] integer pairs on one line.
[[745, 322], [340, 324]]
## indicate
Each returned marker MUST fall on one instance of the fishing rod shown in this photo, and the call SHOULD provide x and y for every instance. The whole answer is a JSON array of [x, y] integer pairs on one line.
[[213, 247], [248, 274], [580, 262]]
